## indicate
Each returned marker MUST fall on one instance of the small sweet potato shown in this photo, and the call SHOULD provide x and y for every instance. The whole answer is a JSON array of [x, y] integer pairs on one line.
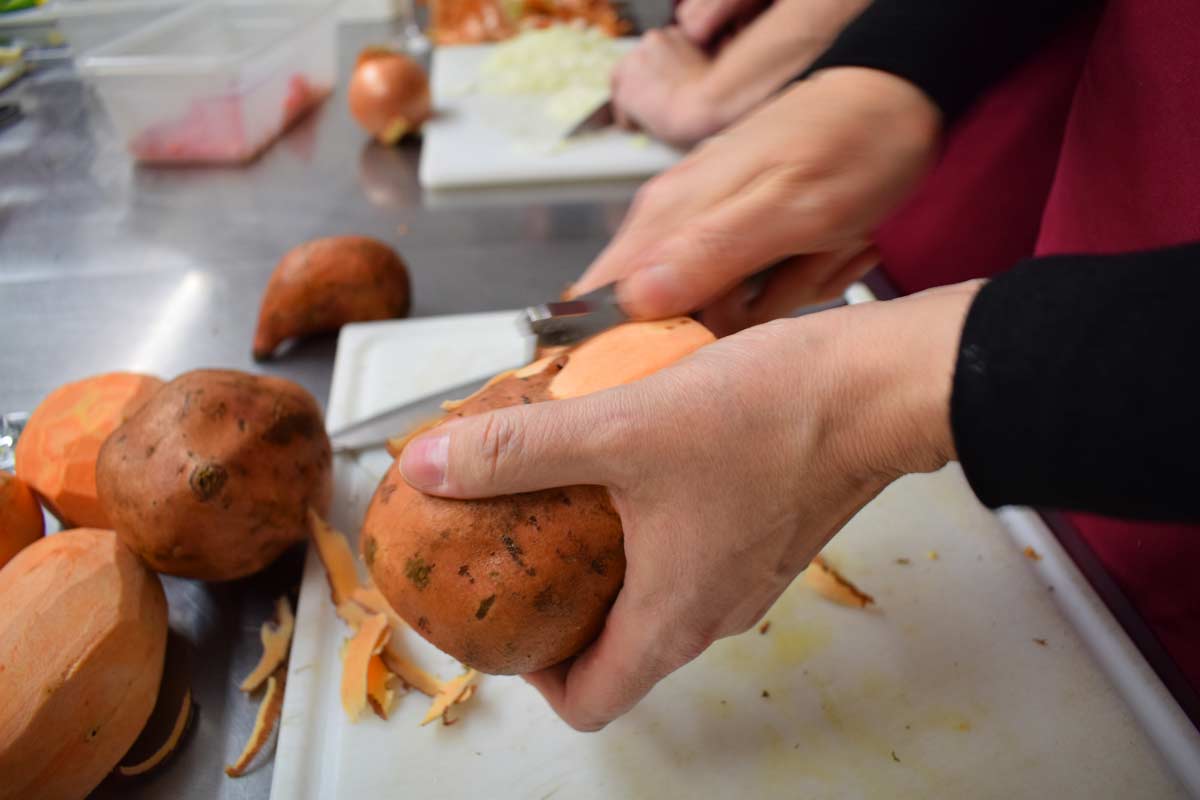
[[56, 453], [324, 284], [513, 584], [21, 521], [82, 639], [213, 478]]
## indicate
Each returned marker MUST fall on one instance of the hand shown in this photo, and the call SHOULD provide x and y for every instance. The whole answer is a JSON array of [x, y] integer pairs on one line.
[[659, 86], [730, 470], [702, 20], [810, 174]]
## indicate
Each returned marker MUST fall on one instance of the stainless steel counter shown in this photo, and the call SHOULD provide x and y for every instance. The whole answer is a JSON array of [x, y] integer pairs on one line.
[[107, 266]]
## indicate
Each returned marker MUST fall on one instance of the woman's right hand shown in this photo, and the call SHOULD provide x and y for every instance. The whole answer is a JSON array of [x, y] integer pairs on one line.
[[807, 177]]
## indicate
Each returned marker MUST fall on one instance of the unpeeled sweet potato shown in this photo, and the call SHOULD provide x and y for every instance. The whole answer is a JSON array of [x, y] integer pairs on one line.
[[324, 284], [56, 452], [213, 478], [21, 521], [82, 639], [513, 584]]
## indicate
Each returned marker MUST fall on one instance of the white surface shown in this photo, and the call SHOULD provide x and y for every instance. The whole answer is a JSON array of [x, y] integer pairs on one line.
[[482, 140], [946, 673]]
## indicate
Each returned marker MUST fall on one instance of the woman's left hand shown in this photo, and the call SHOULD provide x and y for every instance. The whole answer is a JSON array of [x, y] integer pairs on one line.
[[730, 470]]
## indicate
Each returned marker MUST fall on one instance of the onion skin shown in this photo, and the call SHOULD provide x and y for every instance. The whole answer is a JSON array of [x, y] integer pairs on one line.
[[389, 95]]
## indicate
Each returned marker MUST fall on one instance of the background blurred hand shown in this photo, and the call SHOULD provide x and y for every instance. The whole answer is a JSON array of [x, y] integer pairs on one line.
[[730, 470], [806, 177], [659, 86], [702, 20]]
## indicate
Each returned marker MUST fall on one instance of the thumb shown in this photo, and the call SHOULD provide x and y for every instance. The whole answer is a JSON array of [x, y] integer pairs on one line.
[[518, 449]]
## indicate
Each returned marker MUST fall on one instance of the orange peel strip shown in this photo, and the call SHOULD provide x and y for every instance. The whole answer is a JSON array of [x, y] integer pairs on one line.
[[827, 582], [380, 695], [167, 747], [396, 444], [370, 599], [265, 721], [367, 642], [456, 691], [276, 639], [336, 557]]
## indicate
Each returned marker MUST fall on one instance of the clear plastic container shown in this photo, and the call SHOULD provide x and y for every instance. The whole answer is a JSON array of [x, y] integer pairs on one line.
[[218, 81], [86, 24]]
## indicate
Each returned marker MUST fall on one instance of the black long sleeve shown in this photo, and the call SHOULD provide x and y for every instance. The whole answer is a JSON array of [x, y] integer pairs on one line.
[[951, 49], [1078, 385]]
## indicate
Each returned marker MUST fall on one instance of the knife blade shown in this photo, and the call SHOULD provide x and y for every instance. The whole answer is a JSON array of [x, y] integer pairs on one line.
[[602, 116], [547, 325]]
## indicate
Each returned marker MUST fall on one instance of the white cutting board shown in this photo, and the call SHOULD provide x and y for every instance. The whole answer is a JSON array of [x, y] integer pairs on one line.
[[941, 692], [480, 140]]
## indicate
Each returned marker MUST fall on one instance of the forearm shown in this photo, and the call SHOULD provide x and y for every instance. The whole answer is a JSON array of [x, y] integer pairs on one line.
[[781, 42], [952, 50], [1077, 386]]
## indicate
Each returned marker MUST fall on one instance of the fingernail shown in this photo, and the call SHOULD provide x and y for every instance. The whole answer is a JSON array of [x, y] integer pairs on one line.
[[423, 462], [652, 291]]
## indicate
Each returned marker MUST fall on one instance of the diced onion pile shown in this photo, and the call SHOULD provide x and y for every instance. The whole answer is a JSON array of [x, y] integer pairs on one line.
[[560, 58]]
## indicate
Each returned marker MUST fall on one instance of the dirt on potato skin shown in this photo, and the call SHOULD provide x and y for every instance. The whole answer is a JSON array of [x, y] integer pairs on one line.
[[506, 585], [213, 477]]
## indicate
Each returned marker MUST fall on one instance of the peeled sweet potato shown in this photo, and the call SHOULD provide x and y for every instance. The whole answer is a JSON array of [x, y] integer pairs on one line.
[[513, 584], [213, 478], [324, 284], [21, 521], [82, 640], [56, 452]]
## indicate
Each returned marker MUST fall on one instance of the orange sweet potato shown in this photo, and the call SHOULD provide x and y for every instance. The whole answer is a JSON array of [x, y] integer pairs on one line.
[[21, 521], [324, 284], [82, 640], [56, 453], [514, 584], [213, 478]]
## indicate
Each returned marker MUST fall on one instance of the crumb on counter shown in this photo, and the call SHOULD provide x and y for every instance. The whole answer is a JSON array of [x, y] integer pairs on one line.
[[1031, 554]]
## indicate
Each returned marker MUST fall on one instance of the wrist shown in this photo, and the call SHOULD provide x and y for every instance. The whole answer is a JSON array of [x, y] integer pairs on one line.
[[899, 359]]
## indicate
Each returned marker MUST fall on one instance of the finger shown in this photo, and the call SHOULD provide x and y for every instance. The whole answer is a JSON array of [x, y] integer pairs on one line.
[[803, 281], [714, 252], [611, 675], [854, 270], [518, 449]]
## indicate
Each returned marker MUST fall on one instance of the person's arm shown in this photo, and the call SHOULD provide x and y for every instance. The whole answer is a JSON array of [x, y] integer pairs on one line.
[[1077, 385], [671, 88], [952, 49]]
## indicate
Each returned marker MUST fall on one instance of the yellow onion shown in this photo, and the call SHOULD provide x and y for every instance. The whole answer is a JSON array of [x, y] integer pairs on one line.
[[389, 94]]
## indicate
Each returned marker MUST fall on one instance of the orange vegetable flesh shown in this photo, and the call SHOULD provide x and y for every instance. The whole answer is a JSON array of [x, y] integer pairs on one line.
[[827, 582], [456, 691], [603, 362], [56, 454], [21, 521], [379, 692], [367, 642], [276, 639], [167, 747], [264, 724], [393, 654], [336, 556]]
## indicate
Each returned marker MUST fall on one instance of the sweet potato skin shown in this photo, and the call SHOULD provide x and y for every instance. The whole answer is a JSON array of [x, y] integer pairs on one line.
[[324, 284], [21, 521], [514, 584], [82, 640], [213, 478], [56, 452], [507, 585]]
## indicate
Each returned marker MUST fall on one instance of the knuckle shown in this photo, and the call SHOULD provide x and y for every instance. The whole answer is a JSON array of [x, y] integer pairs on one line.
[[499, 440]]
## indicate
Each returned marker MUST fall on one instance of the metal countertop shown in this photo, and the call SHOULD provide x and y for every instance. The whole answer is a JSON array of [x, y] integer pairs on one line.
[[108, 266]]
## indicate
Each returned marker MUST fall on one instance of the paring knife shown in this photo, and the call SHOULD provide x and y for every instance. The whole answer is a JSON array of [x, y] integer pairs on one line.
[[602, 116], [547, 325]]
